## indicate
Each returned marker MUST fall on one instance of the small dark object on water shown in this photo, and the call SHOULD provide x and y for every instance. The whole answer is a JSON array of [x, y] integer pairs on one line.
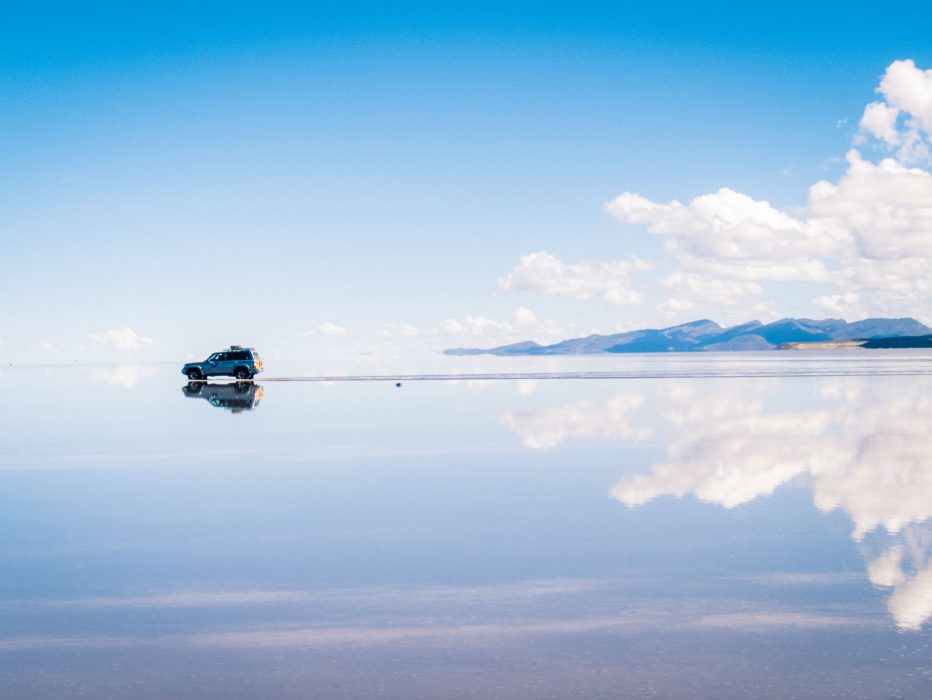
[[397, 383]]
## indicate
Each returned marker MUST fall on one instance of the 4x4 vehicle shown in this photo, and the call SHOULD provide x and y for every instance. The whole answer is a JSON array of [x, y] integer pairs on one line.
[[236, 361]]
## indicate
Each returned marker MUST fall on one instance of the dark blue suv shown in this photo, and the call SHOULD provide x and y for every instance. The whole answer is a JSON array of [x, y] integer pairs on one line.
[[236, 361]]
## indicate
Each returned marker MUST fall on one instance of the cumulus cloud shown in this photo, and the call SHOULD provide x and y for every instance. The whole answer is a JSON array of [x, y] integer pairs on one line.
[[885, 209], [689, 291], [728, 226], [902, 121], [397, 329], [867, 237], [397, 340], [908, 88], [862, 244], [879, 120], [328, 329], [476, 326], [726, 245], [525, 318], [523, 326], [123, 339], [452, 327], [544, 272]]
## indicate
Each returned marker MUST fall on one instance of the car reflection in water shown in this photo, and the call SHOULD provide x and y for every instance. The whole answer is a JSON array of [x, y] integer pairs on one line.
[[233, 396]]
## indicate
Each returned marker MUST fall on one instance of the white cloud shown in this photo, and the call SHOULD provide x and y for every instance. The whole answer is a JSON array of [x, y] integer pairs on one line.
[[543, 272], [476, 326], [867, 237], [329, 329], [524, 326], [725, 245], [524, 318], [879, 120], [727, 226], [862, 245], [908, 88], [689, 286], [885, 208], [907, 91], [124, 339], [452, 327], [397, 329], [481, 326], [404, 340]]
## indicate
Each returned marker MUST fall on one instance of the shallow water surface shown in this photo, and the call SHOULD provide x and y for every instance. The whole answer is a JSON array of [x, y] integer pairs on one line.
[[713, 526]]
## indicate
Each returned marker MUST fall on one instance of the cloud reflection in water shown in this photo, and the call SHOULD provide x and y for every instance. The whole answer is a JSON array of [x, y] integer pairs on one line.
[[861, 444], [124, 375], [594, 420]]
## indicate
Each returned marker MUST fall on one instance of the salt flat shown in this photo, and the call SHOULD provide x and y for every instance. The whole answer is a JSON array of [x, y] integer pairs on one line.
[[630, 529]]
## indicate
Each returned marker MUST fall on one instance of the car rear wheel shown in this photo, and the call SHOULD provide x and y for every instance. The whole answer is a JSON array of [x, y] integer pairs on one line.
[[241, 373], [195, 374]]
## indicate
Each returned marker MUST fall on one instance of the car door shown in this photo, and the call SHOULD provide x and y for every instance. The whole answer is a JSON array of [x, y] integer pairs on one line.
[[214, 365], [227, 363], [238, 358]]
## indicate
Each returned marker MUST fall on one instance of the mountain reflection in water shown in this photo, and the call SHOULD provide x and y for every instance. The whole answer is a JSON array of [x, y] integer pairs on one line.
[[860, 445]]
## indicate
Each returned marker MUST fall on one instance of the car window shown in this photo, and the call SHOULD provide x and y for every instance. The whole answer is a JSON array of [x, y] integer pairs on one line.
[[238, 356], [214, 357]]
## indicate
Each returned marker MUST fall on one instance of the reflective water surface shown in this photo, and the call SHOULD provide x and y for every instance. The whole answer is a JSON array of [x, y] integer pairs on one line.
[[762, 533]]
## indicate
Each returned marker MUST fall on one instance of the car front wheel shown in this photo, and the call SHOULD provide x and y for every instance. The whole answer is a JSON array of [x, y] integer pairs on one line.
[[195, 374]]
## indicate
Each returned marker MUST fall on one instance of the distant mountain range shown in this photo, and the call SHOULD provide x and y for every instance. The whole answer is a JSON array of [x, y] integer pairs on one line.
[[706, 335]]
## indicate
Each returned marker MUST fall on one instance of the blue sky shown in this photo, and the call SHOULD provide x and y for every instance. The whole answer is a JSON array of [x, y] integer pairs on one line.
[[351, 178]]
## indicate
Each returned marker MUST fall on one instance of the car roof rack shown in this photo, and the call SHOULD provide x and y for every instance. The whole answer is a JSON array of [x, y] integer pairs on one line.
[[237, 347]]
